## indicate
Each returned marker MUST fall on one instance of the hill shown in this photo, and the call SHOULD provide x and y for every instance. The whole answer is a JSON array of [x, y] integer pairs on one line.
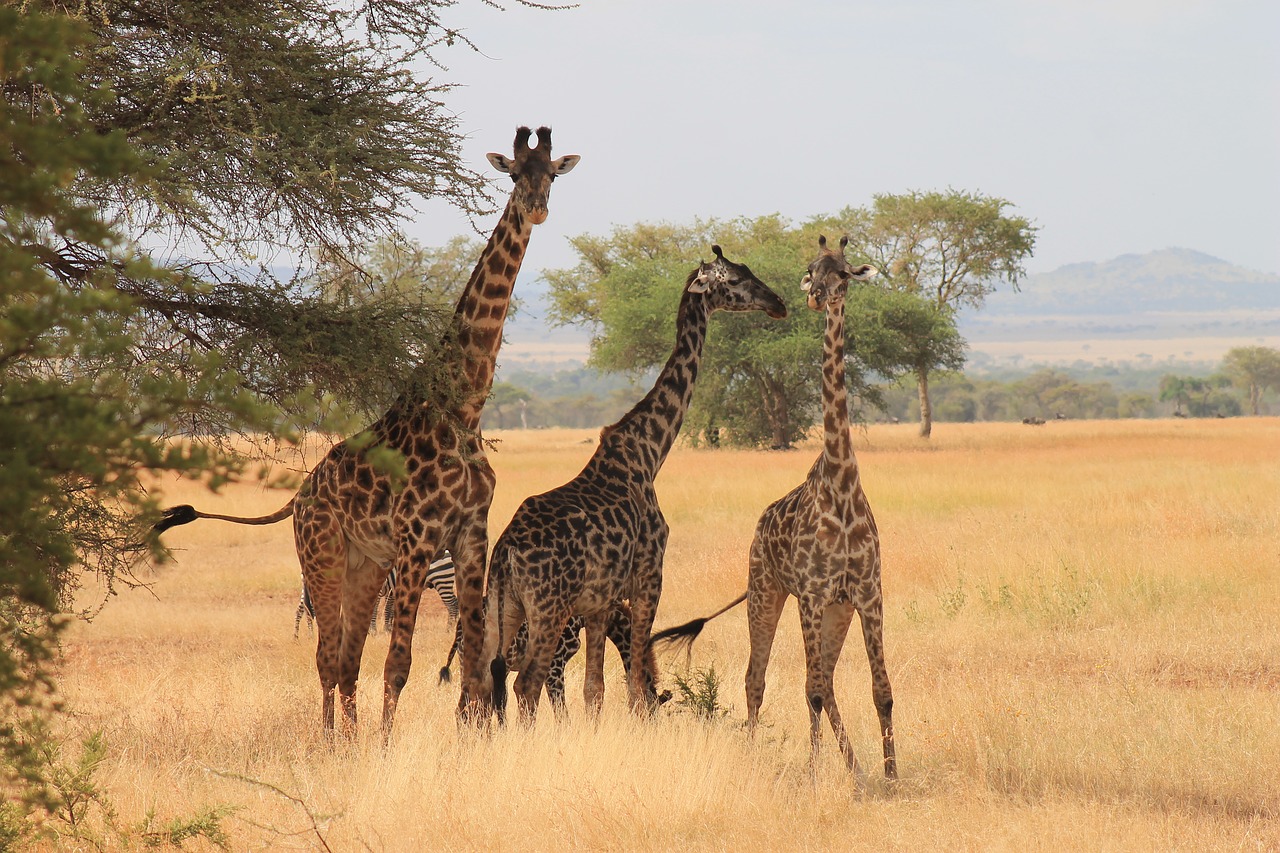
[[1174, 305]]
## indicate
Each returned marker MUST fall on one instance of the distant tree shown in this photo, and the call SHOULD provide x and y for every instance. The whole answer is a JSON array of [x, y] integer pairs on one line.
[[1253, 369], [504, 399], [1174, 389], [760, 383], [953, 247], [1201, 396]]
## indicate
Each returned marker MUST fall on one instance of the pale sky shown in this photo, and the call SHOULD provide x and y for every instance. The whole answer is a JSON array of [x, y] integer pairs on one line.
[[1116, 126]]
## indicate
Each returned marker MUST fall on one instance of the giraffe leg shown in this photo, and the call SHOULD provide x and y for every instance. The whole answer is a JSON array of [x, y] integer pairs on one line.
[[544, 633], [469, 556], [359, 595], [641, 678], [764, 607], [593, 686], [835, 627], [413, 557], [881, 691], [322, 554], [513, 627], [815, 688], [565, 650]]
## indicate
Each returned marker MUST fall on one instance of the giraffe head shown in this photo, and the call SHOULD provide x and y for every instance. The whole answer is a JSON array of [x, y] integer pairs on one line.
[[733, 287], [532, 170], [829, 275]]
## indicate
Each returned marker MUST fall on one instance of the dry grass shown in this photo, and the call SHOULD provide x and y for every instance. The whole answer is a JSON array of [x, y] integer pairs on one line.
[[1081, 630]]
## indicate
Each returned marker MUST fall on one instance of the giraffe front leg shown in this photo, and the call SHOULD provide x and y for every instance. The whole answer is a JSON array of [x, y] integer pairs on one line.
[[815, 691], [642, 677], [835, 627], [414, 554], [881, 690], [474, 701]]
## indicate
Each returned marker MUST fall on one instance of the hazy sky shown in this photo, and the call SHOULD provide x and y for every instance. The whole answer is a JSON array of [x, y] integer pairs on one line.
[[1116, 126]]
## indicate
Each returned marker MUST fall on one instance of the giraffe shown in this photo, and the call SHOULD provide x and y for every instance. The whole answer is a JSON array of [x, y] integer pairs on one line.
[[819, 543], [600, 538], [352, 525]]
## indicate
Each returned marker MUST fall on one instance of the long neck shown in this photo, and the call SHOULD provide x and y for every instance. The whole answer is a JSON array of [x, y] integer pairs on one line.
[[649, 430], [482, 308], [837, 443]]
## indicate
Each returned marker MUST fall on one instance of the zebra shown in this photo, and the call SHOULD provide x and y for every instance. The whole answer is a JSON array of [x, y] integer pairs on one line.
[[439, 577]]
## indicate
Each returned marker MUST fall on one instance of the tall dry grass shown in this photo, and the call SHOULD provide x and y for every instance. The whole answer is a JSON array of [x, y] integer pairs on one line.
[[1081, 628]]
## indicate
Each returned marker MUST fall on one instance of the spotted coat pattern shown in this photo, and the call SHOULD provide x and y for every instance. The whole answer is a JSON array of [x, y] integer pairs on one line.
[[819, 543], [351, 526], [600, 538]]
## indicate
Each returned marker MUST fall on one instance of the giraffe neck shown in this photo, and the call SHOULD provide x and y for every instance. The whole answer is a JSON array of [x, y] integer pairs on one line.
[[647, 432], [837, 443], [482, 309]]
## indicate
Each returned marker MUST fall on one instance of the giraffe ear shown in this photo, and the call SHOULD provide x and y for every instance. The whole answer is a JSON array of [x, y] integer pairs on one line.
[[565, 164], [865, 272], [700, 282], [499, 162], [806, 282]]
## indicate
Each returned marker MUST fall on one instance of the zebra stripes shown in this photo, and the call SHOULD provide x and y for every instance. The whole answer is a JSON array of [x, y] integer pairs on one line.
[[439, 577]]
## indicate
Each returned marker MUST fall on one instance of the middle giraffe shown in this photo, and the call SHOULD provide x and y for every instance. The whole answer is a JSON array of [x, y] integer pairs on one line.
[[600, 538]]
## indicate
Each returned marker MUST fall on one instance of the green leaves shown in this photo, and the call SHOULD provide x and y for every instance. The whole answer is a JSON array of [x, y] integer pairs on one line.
[[761, 379]]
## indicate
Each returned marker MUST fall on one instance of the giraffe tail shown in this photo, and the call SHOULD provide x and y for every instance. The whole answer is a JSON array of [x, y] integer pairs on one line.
[[684, 635], [185, 514], [498, 668]]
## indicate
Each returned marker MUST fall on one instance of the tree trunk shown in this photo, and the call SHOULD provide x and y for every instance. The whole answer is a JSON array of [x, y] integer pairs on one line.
[[926, 412], [779, 419]]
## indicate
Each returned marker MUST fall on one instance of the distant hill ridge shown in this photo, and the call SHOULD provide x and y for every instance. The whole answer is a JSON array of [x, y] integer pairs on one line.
[[1178, 280]]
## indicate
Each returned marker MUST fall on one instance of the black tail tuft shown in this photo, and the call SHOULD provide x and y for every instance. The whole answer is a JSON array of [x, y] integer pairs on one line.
[[681, 636], [444, 675], [175, 516], [498, 669]]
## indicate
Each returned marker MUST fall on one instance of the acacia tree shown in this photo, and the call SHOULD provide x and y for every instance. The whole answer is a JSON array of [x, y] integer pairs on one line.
[[1254, 369], [953, 248], [80, 423], [269, 133], [759, 382]]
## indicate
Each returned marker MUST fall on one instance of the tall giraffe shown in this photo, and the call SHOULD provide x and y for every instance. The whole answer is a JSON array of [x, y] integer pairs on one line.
[[600, 538], [819, 543], [351, 525]]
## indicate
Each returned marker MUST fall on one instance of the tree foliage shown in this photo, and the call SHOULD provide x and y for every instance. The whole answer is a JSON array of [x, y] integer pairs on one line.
[[1254, 369], [79, 416], [761, 380], [268, 135], [953, 248]]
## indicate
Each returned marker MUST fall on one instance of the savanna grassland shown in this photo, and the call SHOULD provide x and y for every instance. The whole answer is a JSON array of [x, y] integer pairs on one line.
[[1082, 628]]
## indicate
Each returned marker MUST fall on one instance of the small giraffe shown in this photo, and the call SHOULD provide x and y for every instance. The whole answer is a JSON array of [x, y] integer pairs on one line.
[[600, 538], [819, 543], [351, 525]]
